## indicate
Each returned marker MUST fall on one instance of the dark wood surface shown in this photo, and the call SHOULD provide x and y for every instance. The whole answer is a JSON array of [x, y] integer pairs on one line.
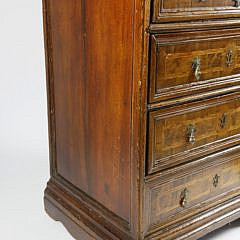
[[92, 98], [211, 181], [172, 57], [215, 124], [143, 143], [178, 10]]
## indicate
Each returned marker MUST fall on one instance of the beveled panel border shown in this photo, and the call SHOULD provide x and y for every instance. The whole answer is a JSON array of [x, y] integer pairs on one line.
[[194, 90], [193, 218], [161, 16], [56, 204], [155, 165]]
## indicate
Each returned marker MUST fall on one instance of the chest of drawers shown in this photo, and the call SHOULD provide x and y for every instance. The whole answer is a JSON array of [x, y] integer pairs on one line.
[[144, 117]]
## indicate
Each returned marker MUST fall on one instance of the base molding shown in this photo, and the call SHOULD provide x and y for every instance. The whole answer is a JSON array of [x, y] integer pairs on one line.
[[64, 207], [75, 229], [78, 217]]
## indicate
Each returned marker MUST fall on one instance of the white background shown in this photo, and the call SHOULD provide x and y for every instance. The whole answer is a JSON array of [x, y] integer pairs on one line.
[[24, 168]]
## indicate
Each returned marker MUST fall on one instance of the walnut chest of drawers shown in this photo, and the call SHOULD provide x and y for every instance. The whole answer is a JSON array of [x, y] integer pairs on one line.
[[144, 117]]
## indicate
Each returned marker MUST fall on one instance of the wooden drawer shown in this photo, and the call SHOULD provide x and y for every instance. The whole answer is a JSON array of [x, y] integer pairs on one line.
[[180, 134], [179, 10], [189, 63], [191, 190]]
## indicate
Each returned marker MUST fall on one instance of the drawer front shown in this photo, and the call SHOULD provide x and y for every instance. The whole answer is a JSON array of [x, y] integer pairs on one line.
[[179, 10], [188, 63], [180, 134], [186, 194]]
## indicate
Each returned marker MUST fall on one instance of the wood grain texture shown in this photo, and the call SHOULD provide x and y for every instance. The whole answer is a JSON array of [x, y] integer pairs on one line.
[[173, 56], [164, 213], [194, 26], [92, 88], [178, 10], [118, 152], [166, 198], [95, 79], [215, 124], [63, 207]]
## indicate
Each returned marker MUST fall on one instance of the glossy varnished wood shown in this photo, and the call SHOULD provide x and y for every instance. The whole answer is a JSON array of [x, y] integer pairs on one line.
[[92, 98], [173, 55], [207, 184], [119, 155], [178, 10], [215, 124], [94, 79]]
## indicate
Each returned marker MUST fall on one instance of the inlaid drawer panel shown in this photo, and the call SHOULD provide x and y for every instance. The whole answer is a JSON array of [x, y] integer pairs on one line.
[[180, 134], [183, 10], [187, 192], [187, 63]]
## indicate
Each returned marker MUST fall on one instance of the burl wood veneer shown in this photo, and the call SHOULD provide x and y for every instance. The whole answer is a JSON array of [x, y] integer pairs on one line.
[[144, 117]]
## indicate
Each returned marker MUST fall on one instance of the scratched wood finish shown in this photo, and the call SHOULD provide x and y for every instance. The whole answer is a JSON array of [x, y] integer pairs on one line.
[[215, 125], [119, 158], [178, 10], [172, 63]]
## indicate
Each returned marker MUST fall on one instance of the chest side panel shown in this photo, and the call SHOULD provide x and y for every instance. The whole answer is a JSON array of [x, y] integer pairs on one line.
[[91, 54]]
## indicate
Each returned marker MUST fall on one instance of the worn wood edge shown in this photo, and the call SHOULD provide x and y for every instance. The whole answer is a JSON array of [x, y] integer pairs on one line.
[[139, 102], [139, 21], [193, 214], [194, 25], [199, 226], [49, 86], [193, 154], [56, 207], [197, 16], [84, 227], [192, 98], [91, 203], [74, 213], [182, 170], [191, 91], [156, 165], [73, 228], [142, 81], [194, 93], [200, 213]]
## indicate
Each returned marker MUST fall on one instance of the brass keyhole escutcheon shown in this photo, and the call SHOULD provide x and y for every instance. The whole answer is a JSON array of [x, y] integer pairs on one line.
[[184, 197], [196, 66], [191, 130], [229, 58], [216, 180], [223, 120]]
